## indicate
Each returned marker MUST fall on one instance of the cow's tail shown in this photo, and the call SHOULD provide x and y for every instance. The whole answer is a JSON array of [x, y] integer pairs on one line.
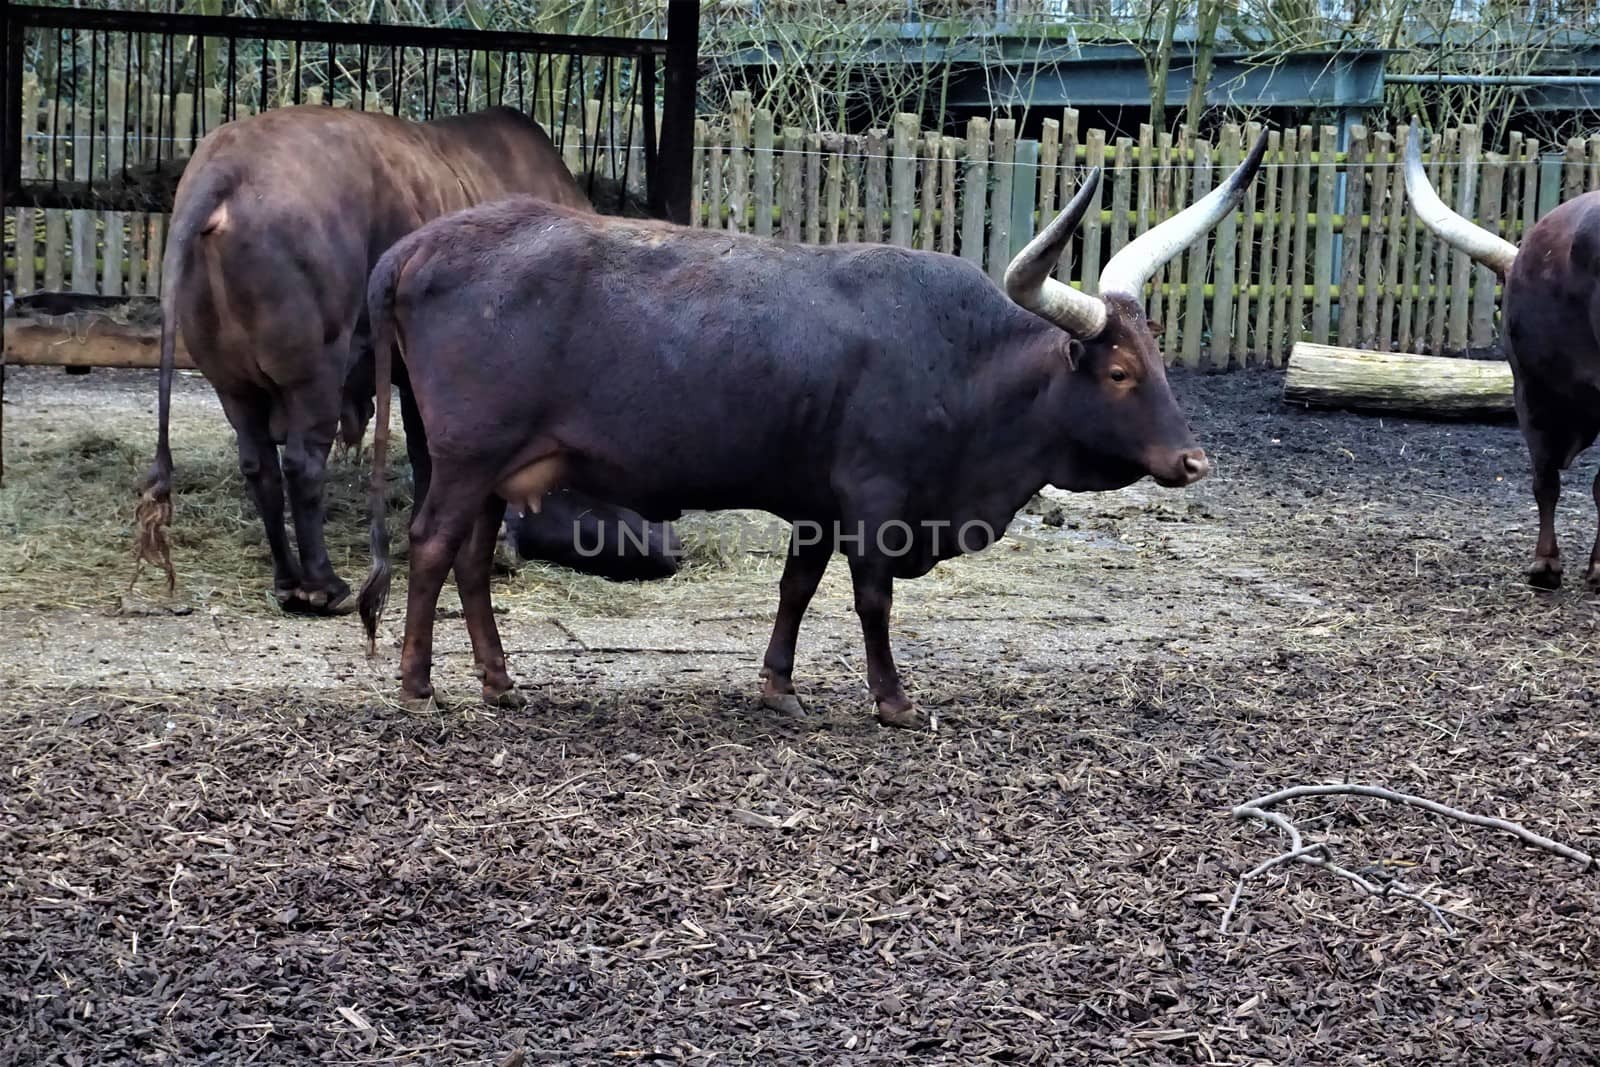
[[202, 212], [380, 314]]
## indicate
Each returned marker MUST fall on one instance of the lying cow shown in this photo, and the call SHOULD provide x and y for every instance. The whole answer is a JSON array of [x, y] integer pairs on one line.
[[892, 404], [1550, 314], [276, 222]]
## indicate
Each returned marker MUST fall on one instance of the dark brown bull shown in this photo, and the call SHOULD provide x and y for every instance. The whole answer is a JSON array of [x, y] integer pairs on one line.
[[1550, 323], [892, 404], [276, 223]]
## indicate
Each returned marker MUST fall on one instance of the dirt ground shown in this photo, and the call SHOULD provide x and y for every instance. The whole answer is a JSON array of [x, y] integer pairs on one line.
[[221, 841]]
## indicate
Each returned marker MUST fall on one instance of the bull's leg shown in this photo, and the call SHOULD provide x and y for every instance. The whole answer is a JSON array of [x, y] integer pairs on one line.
[[258, 463], [473, 565], [305, 462], [442, 525], [802, 571], [874, 588], [1546, 572]]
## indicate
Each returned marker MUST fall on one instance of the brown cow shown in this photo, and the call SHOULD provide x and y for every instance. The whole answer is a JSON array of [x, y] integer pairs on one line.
[[892, 404], [1550, 311], [276, 223]]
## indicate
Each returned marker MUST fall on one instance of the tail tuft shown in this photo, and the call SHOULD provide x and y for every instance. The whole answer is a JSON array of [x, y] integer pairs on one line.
[[152, 516], [375, 590]]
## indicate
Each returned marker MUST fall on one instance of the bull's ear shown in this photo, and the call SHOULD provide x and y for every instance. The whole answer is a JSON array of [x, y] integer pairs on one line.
[[1156, 329], [1074, 353]]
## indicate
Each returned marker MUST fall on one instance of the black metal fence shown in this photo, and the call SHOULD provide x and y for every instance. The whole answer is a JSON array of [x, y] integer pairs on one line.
[[101, 107]]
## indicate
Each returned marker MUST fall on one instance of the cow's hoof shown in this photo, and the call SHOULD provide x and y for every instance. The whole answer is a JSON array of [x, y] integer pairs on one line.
[[427, 704], [906, 717], [784, 704], [1546, 574], [339, 601], [510, 699]]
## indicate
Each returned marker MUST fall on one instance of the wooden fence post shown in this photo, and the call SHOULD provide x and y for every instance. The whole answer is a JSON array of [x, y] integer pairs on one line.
[[1442, 253], [1177, 276], [1049, 163], [739, 162], [975, 191], [834, 195], [1322, 277], [1378, 277], [872, 224], [1226, 276], [854, 177], [1092, 227], [1283, 333], [1271, 171], [813, 148], [947, 194], [1199, 255], [83, 228], [697, 172], [1530, 187], [763, 172], [716, 180], [1575, 178], [1121, 193], [1391, 264], [792, 179], [1461, 265], [1066, 185], [1024, 195], [1484, 279], [27, 272], [111, 270], [1297, 269], [1144, 202], [1162, 209], [928, 231], [1355, 180], [903, 181], [1004, 158]]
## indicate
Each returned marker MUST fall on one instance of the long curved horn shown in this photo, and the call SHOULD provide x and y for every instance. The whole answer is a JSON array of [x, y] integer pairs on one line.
[[1474, 240], [1028, 280], [1130, 268]]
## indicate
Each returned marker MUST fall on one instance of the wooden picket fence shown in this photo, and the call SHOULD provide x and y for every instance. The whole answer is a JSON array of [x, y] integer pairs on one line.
[[1324, 249]]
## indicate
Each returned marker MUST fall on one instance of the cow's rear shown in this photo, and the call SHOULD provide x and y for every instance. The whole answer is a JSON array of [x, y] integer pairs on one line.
[[277, 222]]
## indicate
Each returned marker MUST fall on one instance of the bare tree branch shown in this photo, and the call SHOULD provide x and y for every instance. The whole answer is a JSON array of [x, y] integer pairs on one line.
[[1319, 855]]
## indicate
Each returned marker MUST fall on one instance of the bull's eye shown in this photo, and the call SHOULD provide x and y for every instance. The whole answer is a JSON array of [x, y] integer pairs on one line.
[[1118, 374]]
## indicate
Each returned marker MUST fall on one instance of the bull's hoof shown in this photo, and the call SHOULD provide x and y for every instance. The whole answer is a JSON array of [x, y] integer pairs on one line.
[[511, 698], [1546, 574], [784, 704], [906, 717]]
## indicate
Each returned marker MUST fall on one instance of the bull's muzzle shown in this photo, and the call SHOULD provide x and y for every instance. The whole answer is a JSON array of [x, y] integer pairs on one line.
[[1181, 468]]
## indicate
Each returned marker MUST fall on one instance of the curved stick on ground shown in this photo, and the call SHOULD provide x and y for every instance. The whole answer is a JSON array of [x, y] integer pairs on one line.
[[1318, 855]]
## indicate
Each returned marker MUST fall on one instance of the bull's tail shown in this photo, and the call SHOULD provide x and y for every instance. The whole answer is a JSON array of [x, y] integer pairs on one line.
[[380, 313], [202, 212]]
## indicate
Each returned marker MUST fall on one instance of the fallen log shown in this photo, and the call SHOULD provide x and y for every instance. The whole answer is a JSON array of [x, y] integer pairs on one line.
[[1397, 382], [91, 337]]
